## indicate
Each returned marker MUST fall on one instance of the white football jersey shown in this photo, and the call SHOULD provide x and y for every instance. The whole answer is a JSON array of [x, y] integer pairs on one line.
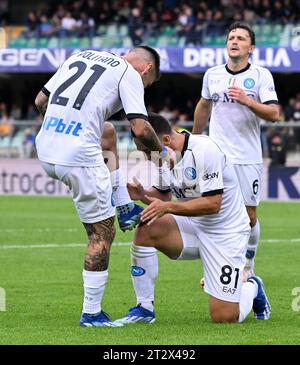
[[233, 126], [205, 171], [85, 91]]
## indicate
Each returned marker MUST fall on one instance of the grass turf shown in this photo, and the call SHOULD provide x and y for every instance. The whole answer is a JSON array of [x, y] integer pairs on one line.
[[43, 285]]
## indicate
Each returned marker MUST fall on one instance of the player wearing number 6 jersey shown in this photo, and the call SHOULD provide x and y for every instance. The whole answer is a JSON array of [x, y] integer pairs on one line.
[[236, 96], [86, 90], [209, 221]]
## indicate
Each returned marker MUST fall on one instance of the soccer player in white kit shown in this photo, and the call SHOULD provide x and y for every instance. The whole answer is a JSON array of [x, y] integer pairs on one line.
[[86, 90], [236, 96], [209, 221]]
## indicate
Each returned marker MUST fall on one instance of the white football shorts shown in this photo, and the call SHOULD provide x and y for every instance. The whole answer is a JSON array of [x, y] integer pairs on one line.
[[250, 179], [90, 188], [223, 258]]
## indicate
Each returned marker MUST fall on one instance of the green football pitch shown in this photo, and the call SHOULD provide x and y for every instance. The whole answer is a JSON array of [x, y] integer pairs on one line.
[[42, 245]]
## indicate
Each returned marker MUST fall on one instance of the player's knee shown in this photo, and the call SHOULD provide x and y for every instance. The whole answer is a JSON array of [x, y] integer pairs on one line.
[[224, 317], [144, 235], [103, 231], [223, 311]]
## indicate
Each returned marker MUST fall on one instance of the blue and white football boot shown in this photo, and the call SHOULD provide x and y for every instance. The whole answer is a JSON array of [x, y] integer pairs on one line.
[[129, 216], [261, 304], [97, 320], [137, 314]]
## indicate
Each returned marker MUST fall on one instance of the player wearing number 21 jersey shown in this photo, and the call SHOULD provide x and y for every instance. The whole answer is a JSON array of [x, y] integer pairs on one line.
[[86, 90]]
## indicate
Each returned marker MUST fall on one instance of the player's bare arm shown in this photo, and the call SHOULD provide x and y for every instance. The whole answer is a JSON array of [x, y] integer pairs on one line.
[[201, 115], [143, 131], [138, 192], [200, 206], [41, 102], [268, 112]]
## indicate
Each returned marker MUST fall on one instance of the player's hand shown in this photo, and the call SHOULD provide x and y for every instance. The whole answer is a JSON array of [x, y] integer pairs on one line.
[[239, 95], [136, 190], [156, 209]]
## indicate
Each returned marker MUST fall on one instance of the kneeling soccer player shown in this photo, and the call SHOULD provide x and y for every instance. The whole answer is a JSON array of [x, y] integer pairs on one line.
[[209, 221]]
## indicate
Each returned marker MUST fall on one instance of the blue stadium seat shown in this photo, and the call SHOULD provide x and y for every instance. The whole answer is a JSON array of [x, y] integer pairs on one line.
[[97, 42], [127, 42], [267, 29], [43, 43], [84, 42], [53, 42], [123, 30]]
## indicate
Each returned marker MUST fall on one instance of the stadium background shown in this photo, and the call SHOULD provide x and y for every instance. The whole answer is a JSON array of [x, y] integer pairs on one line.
[[190, 36]]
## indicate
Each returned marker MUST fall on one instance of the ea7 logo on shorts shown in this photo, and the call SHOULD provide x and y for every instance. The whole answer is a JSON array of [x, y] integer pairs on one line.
[[249, 83], [72, 128], [210, 176], [228, 290], [137, 271]]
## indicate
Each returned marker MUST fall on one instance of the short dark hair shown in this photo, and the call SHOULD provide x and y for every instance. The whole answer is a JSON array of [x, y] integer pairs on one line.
[[156, 59], [159, 124], [242, 26]]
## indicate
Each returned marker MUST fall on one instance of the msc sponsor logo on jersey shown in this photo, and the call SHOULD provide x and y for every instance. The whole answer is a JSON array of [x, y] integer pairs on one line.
[[227, 99], [210, 176], [249, 83], [72, 128], [182, 193], [137, 271], [190, 173]]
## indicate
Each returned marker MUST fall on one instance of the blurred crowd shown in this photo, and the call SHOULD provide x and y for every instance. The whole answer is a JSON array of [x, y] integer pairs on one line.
[[276, 140], [19, 129], [145, 18], [4, 13]]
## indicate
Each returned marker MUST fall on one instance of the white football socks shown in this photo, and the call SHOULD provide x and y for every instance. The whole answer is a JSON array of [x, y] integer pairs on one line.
[[120, 192], [248, 293], [144, 271], [252, 247], [94, 285]]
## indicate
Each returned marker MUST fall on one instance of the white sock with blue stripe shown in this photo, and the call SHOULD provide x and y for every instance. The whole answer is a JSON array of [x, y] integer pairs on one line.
[[144, 271]]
